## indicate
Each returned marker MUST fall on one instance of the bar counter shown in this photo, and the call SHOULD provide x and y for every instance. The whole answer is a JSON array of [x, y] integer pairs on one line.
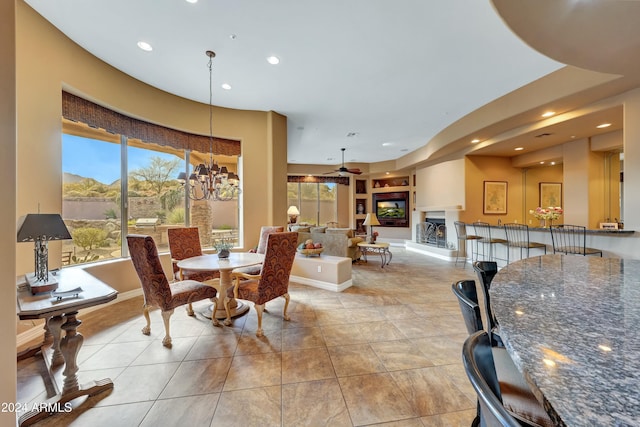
[[572, 326]]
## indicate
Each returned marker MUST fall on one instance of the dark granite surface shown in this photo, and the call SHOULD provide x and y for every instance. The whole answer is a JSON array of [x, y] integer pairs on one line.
[[572, 325]]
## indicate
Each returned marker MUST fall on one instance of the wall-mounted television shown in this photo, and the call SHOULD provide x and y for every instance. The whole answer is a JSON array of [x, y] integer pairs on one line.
[[392, 209]]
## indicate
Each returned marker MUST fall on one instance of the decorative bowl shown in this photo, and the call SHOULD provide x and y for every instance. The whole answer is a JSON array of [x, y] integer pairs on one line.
[[311, 252]]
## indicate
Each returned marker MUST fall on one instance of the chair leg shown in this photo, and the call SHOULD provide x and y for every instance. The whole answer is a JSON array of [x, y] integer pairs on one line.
[[145, 310], [214, 319], [259, 310], [286, 305], [227, 309], [166, 315]]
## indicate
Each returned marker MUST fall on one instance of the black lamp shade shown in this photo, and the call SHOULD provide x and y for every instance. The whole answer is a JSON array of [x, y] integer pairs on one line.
[[42, 227]]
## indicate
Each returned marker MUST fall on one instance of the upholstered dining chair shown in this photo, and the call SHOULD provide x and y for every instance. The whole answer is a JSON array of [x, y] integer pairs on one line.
[[518, 237], [184, 242], [157, 290], [265, 231], [515, 394], [273, 280]]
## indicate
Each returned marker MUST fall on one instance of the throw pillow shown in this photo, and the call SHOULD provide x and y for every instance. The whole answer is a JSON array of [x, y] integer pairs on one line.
[[318, 229]]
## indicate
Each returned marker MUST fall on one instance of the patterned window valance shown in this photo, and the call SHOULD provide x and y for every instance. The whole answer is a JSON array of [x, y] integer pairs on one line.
[[344, 180], [80, 110]]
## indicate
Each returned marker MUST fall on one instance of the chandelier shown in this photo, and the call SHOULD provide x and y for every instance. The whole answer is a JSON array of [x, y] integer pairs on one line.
[[209, 181]]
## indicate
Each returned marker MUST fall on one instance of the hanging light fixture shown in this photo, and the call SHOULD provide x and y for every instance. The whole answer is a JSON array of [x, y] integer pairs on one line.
[[209, 181]]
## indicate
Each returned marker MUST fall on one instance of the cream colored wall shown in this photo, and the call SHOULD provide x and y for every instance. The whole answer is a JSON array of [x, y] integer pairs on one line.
[[263, 134], [441, 185], [8, 132]]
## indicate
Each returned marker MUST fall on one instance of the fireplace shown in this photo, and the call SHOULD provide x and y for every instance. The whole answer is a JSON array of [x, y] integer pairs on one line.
[[432, 232]]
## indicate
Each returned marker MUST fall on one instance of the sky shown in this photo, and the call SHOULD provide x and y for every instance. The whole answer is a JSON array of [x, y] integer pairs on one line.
[[101, 160]]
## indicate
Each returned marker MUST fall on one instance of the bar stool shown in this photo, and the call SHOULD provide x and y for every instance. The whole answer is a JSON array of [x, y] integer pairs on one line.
[[463, 238], [483, 230], [518, 237]]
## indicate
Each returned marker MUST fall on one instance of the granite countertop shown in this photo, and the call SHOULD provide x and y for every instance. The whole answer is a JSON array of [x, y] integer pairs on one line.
[[572, 325], [622, 231]]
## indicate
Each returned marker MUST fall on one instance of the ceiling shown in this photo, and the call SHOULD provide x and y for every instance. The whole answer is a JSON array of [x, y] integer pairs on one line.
[[379, 78]]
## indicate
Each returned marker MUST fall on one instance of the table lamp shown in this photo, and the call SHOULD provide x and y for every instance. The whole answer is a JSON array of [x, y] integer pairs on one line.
[[293, 213], [40, 228], [371, 219]]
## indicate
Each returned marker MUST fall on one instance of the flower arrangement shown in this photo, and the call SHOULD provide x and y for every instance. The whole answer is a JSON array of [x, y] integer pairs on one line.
[[551, 212], [373, 237], [223, 246]]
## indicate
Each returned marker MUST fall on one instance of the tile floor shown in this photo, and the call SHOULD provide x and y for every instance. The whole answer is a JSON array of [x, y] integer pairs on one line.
[[384, 352]]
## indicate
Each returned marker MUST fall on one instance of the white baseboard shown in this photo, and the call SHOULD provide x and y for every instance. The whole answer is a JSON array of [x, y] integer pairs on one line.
[[327, 286], [38, 331]]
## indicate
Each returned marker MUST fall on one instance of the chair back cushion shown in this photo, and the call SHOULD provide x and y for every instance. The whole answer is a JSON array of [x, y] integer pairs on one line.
[[276, 268], [144, 256], [184, 242], [265, 231]]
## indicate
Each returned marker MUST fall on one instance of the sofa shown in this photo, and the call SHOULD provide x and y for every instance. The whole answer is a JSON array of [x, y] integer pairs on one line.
[[340, 242]]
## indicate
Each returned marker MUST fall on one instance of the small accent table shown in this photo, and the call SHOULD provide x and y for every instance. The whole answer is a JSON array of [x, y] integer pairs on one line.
[[381, 249], [61, 314]]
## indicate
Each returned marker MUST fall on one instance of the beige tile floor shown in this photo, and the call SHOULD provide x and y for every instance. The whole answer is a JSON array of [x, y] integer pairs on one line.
[[384, 352]]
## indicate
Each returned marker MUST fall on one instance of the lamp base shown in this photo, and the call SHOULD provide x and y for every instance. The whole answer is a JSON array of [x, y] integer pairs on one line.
[[41, 286]]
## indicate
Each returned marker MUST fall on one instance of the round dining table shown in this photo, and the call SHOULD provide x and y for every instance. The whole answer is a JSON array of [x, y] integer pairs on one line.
[[572, 326], [211, 262]]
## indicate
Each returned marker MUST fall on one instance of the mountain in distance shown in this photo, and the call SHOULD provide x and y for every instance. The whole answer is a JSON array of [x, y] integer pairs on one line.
[[72, 178]]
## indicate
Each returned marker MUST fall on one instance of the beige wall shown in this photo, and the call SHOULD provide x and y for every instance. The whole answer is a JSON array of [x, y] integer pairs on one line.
[[533, 177], [8, 232], [39, 46], [480, 169]]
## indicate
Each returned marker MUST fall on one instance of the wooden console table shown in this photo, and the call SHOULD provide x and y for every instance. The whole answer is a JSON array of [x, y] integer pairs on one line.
[[60, 313]]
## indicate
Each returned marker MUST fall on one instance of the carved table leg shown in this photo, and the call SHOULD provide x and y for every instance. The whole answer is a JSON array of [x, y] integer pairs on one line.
[[235, 308], [69, 347], [55, 330]]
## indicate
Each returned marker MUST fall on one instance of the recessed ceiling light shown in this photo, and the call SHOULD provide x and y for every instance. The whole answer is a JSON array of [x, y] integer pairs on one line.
[[192, 1], [404, 149], [604, 125], [475, 141], [226, 86], [273, 60], [542, 163], [232, 36], [145, 46], [387, 144], [519, 148], [548, 114], [553, 163], [352, 134]]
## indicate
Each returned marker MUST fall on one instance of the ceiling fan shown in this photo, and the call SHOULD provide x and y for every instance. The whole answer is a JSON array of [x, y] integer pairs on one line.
[[344, 170]]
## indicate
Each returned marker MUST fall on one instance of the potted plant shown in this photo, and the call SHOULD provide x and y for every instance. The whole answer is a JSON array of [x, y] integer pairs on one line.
[[223, 246]]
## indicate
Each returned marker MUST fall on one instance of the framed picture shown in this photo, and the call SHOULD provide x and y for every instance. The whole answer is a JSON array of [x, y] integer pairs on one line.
[[495, 197], [550, 194]]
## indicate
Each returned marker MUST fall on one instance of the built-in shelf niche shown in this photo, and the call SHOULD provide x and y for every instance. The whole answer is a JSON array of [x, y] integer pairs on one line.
[[400, 181]]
